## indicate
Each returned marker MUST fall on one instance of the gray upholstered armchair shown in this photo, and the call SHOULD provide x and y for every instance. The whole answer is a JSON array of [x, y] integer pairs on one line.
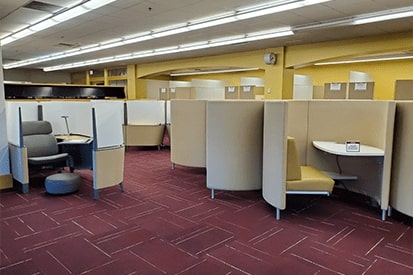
[[42, 147]]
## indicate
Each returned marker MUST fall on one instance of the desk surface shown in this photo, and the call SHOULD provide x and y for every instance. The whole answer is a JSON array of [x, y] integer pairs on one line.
[[73, 139], [340, 149]]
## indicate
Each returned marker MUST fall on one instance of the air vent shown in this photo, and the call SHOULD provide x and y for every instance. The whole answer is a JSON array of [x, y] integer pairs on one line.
[[40, 6], [69, 45]]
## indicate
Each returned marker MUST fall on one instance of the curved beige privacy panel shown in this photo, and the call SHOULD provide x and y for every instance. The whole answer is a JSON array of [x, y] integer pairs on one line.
[[234, 145], [187, 132], [402, 173]]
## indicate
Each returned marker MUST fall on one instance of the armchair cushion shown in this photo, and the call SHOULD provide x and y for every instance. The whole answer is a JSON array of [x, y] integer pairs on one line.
[[39, 127], [42, 148], [40, 145]]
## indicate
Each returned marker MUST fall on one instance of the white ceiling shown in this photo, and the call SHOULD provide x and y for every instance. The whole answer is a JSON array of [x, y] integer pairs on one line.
[[126, 17]]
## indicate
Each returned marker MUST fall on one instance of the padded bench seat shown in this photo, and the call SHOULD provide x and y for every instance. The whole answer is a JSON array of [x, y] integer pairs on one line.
[[62, 183], [311, 180], [304, 179]]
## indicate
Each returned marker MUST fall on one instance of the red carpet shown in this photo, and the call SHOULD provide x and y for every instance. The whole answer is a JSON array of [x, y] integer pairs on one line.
[[165, 223]]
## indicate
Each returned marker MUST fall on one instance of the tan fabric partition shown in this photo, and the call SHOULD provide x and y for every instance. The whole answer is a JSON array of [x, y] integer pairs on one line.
[[180, 93], [247, 92], [403, 89], [370, 122], [335, 90], [105, 173], [234, 144], [274, 153], [143, 135], [231, 92], [361, 90], [401, 197], [187, 132]]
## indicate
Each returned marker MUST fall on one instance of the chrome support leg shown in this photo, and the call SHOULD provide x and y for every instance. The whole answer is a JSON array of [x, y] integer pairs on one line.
[[383, 214], [95, 194], [277, 214]]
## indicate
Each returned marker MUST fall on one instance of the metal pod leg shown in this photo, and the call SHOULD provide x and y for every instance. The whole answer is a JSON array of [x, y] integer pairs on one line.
[[383, 214], [277, 214], [212, 194], [25, 188], [121, 187], [95, 194], [389, 211], [173, 165]]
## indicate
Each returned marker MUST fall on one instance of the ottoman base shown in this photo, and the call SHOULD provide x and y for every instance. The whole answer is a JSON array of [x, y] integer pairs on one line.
[[62, 183]]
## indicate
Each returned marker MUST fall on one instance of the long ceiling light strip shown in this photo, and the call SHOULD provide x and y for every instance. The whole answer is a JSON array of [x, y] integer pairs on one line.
[[70, 12], [179, 48], [384, 16], [372, 59], [220, 71], [215, 20]]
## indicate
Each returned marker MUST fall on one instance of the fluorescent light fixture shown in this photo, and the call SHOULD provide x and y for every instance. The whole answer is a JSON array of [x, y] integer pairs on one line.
[[215, 20], [177, 49], [233, 70], [384, 16], [70, 12], [373, 59]]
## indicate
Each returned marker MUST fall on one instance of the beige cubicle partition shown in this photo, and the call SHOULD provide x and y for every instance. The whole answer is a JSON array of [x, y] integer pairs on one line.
[[335, 90], [234, 145], [371, 123], [105, 173], [274, 166], [163, 93], [247, 92], [144, 122], [232, 92], [361, 90], [187, 132], [401, 194], [318, 92], [403, 89], [143, 135], [180, 93]]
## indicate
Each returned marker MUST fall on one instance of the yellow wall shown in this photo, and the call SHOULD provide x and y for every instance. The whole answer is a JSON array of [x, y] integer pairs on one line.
[[384, 74], [274, 76], [298, 59], [233, 79], [308, 54]]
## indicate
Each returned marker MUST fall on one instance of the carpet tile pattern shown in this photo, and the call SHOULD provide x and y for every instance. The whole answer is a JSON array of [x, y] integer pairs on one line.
[[165, 223]]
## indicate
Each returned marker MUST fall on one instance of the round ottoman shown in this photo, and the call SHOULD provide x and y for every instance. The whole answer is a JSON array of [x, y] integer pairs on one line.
[[62, 183]]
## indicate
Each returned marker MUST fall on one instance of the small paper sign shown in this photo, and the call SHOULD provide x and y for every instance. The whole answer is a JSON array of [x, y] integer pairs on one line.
[[352, 146], [247, 89], [360, 86], [335, 86], [231, 89]]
